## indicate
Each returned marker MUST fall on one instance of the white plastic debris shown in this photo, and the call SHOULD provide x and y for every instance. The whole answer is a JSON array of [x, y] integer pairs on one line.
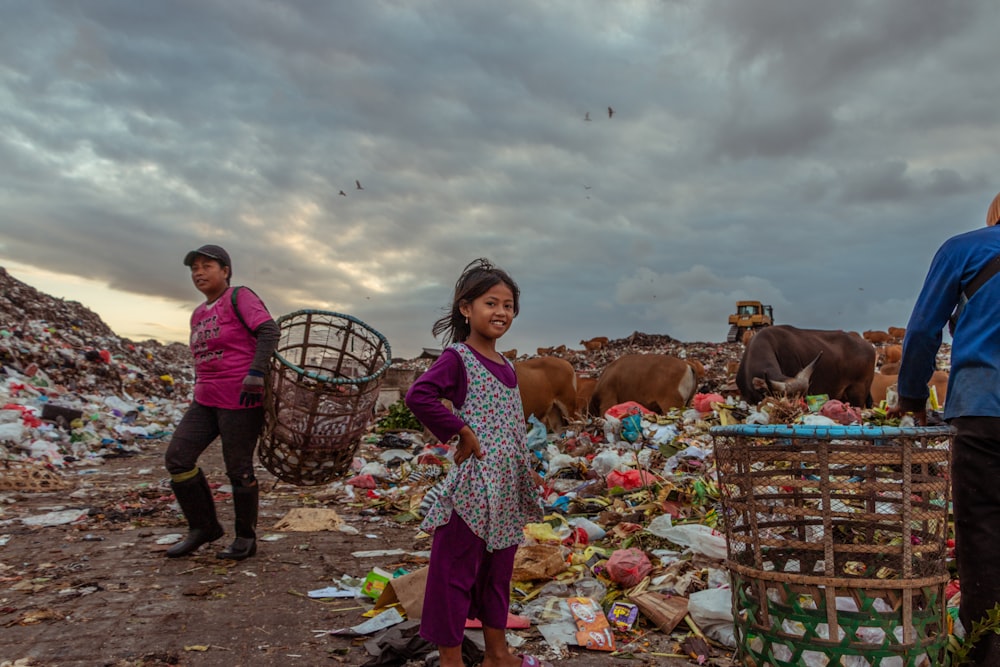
[[57, 518]]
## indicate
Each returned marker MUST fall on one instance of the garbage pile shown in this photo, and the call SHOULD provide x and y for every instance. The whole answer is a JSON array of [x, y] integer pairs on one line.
[[628, 560], [627, 548], [630, 557], [72, 392]]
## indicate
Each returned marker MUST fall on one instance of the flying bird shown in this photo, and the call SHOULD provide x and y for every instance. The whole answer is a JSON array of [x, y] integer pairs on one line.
[[611, 112], [586, 116], [358, 185], [342, 193]]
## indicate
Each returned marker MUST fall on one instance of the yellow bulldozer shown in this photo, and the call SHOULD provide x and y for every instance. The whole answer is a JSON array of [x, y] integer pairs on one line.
[[749, 316]]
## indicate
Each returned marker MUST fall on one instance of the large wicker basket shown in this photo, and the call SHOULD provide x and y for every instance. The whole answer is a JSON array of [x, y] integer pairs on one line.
[[321, 395], [837, 543]]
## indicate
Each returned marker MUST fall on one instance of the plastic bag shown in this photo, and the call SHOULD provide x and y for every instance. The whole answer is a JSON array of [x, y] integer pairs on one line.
[[712, 611], [612, 425], [629, 479], [559, 461], [817, 420], [375, 469], [365, 481], [703, 402], [545, 533], [607, 461], [660, 526], [593, 531], [660, 434], [699, 538], [627, 567], [841, 413], [632, 427], [627, 408], [537, 436]]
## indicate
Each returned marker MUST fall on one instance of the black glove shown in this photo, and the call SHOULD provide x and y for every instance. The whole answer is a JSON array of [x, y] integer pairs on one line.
[[253, 389]]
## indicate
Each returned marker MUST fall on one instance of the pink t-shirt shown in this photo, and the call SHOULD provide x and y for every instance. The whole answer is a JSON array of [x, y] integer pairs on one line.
[[223, 348]]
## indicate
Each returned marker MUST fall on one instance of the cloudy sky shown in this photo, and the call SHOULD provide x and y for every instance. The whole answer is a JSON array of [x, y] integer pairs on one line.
[[812, 155]]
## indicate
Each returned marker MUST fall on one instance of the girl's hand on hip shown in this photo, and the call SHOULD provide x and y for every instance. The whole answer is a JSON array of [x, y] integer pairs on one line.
[[468, 445]]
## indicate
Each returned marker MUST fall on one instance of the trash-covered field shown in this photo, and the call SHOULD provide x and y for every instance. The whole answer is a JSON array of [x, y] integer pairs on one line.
[[627, 565]]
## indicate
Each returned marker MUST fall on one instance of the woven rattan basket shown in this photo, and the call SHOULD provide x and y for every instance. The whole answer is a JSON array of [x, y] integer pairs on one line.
[[836, 543], [321, 395]]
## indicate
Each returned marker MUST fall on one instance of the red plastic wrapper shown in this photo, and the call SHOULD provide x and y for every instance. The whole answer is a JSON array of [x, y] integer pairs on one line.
[[362, 482], [627, 567], [841, 413], [703, 402], [630, 479], [627, 408]]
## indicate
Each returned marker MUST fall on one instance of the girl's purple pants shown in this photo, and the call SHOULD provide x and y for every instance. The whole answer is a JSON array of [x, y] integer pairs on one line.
[[464, 580]]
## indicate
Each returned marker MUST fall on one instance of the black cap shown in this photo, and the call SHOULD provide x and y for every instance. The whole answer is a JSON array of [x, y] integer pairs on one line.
[[215, 252]]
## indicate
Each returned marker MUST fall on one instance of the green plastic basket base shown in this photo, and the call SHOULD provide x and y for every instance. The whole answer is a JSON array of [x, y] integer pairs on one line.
[[793, 629]]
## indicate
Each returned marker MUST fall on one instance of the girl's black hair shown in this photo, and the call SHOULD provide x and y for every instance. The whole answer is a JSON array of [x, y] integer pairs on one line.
[[477, 278]]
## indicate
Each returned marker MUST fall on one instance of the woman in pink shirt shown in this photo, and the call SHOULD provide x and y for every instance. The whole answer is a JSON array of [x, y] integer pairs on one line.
[[232, 339]]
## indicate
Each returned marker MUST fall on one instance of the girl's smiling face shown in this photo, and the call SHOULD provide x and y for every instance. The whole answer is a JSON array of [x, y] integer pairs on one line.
[[490, 315]]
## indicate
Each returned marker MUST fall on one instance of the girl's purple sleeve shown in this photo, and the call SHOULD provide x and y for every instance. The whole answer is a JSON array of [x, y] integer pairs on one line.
[[444, 379]]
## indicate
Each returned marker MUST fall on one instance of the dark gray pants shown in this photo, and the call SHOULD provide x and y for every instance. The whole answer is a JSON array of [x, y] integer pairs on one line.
[[975, 483], [239, 430]]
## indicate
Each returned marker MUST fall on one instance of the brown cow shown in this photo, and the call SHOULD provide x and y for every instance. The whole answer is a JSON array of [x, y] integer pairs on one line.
[[584, 390], [548, 390], [890, 368], [656, 381], [881, 384], [510, 354], [699, 368], [877, 337], [785, 360], [594, 344], [898, 333], [890, 354]]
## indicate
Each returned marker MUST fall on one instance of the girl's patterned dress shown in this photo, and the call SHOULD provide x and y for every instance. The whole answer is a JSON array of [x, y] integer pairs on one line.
[[494, 495]]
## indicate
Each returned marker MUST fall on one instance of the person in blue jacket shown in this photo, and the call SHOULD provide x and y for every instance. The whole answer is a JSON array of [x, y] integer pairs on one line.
[[972, 408]]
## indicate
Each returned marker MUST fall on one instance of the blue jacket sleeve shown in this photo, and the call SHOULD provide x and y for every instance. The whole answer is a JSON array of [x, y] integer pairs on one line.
[[937, 300]]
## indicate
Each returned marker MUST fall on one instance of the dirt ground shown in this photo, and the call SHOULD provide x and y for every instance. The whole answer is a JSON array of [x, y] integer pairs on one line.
[[100, 591]]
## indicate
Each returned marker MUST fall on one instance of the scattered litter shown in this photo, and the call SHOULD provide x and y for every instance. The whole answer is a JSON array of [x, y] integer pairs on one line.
[[386, 619], [631, 541], [271, 537], [335, 592], [310, 519], [58, 518], [379, 553]]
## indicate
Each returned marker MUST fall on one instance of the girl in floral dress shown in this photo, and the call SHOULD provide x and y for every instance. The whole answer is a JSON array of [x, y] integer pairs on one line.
[[491, 492]]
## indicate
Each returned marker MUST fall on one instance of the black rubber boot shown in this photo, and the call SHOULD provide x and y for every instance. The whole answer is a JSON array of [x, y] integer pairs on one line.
[[245, 502], [195, 498]]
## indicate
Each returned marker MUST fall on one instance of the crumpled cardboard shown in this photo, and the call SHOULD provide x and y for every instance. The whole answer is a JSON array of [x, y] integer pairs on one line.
[[407, 591], [309, 519], [536, 562], [665, 611]]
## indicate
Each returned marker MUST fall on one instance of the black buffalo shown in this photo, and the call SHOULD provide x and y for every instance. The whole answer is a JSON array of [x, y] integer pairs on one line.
[[784, 360]]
